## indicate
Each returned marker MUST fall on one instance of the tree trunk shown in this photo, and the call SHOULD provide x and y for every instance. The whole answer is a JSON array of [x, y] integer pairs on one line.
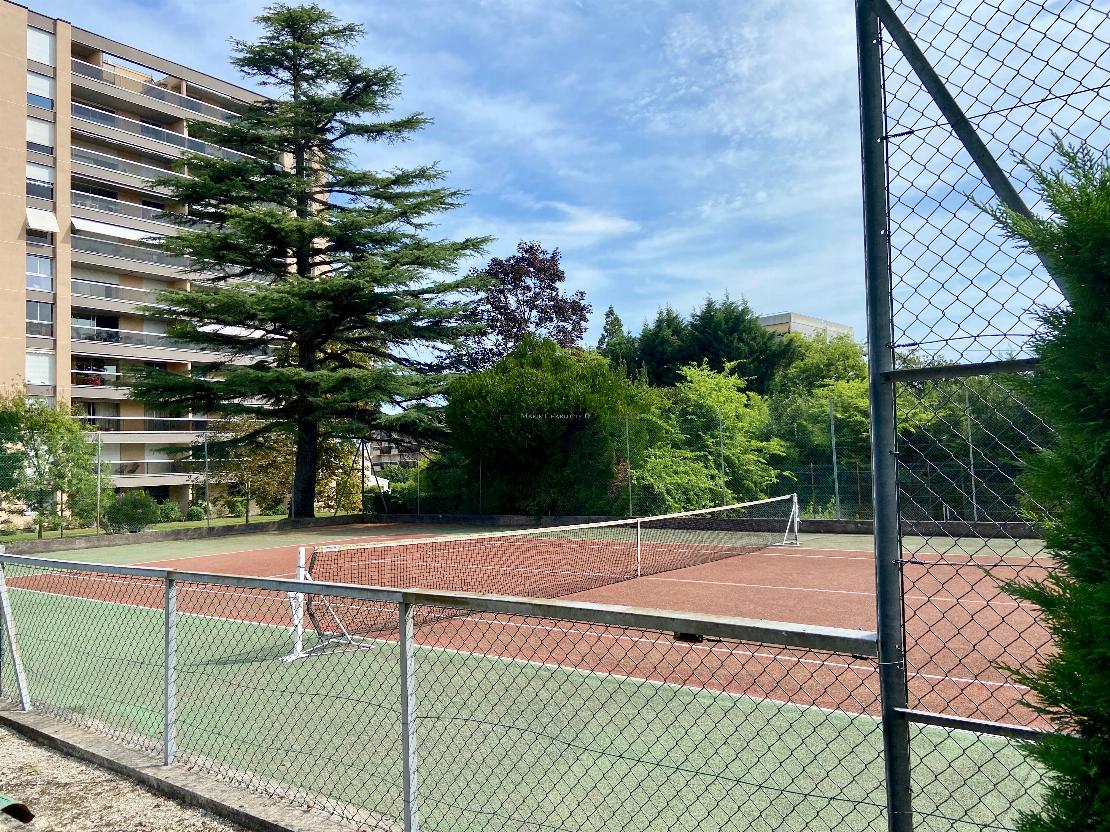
[[303, 500]]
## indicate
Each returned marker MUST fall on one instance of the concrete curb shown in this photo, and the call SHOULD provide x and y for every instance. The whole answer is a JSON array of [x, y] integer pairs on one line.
[[186, 787]]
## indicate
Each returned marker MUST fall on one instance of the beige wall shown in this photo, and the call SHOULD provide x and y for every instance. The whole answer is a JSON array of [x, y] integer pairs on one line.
[[13, 196]]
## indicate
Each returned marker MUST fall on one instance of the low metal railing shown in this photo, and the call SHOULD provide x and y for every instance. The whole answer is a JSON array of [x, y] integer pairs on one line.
[[466, 711]]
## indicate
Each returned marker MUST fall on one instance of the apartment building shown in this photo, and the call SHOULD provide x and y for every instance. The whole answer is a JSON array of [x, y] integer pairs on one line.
[[89, 124]]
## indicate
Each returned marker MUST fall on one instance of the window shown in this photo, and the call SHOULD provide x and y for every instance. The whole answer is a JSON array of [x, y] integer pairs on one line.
[[42, 238], [40, 91], [40, 273], [157, 206], [39, 368], [40, 181], [40, 135], [40, 46], [40, 319]]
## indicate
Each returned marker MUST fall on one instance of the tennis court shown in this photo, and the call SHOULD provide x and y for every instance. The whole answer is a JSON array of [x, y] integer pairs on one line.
[[588, 725]]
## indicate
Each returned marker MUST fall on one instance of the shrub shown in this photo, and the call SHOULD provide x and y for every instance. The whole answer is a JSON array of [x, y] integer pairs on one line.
[[235, 506], [195, 512], [273, 509], [169, 512], [131, 511]]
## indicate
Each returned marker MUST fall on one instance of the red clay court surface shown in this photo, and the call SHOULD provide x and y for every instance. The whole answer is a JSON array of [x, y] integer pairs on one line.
[[958, 624]]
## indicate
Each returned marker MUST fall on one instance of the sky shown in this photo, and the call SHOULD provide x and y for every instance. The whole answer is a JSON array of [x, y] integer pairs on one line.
[[671, 149]]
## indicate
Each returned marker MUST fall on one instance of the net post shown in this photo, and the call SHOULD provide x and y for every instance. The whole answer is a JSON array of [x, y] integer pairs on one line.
[[296, 610], [408, 715], [790, 537], [639, 561], [13, 643], [169, 705]]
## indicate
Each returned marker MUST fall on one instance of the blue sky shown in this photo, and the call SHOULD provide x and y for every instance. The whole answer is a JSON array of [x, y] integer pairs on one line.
[[670, 149]]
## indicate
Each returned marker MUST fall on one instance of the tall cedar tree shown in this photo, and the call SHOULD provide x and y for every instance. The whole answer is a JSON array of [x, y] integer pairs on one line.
[[522, 297], [319, 267], [1071, 685]]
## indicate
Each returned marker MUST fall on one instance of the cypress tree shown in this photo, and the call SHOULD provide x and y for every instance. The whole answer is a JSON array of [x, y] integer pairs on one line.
[[316, 277], [1071, 686]]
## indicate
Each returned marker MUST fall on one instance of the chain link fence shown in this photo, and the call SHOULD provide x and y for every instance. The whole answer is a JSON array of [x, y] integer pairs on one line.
[[483, 713], [955, 97]]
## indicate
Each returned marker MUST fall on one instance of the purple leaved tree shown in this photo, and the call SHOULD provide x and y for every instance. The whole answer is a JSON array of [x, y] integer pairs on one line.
[[523, 297]]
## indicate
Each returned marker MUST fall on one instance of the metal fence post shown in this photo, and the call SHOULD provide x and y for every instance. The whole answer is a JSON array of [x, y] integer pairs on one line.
[[169, 707], [99, 457], [835, 471], [8, 621], [628, 460], [207, 500], [880, 340], [408, 716]]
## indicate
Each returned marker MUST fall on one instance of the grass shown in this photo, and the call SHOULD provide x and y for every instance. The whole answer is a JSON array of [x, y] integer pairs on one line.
[[506, 745]]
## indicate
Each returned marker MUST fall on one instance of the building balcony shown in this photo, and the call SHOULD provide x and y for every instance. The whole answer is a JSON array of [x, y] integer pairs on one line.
[[104, 167], [122, 257], [100, 385], [139, 472], [107, 76], [109, 297], [105, 342], [117, 207], [98, 122], [147, 430]]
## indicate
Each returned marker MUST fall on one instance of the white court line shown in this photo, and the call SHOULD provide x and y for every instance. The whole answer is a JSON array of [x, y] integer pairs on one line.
[[841, 591]]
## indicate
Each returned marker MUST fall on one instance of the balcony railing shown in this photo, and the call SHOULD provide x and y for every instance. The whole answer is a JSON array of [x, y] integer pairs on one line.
[[150, 467], [108, 76], [144, 255], [150, 131], [107, 335], [110, 291], [80, 199], [40, 329], [109, 162], [97, 378], [148, 424]]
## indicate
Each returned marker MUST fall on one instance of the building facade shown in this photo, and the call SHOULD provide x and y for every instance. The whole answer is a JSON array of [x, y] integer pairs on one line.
[[786, 322], [89, 124]]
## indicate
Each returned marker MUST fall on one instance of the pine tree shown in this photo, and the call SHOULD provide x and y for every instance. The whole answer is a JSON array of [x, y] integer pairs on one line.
[[314, 275], [1071, 684], [617, 345]]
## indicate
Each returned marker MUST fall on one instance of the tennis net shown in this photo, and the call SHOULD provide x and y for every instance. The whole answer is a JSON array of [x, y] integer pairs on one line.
[[546, 562]]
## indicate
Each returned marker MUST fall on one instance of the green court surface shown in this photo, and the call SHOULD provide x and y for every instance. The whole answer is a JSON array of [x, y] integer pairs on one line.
[[501, 744]]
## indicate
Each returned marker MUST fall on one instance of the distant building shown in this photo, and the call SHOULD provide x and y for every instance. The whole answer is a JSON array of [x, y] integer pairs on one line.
[[784, 322]]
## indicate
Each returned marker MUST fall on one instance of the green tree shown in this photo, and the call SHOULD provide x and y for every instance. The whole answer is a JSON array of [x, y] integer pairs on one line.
[[720, 333], [664, 347], [319, 278], [546, 427], [719, 419], [621, 348], [1071, 685], [52, 465], [263, 466]]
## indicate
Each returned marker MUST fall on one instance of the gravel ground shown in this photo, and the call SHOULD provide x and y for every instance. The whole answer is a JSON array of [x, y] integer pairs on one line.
[[71, 796]]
